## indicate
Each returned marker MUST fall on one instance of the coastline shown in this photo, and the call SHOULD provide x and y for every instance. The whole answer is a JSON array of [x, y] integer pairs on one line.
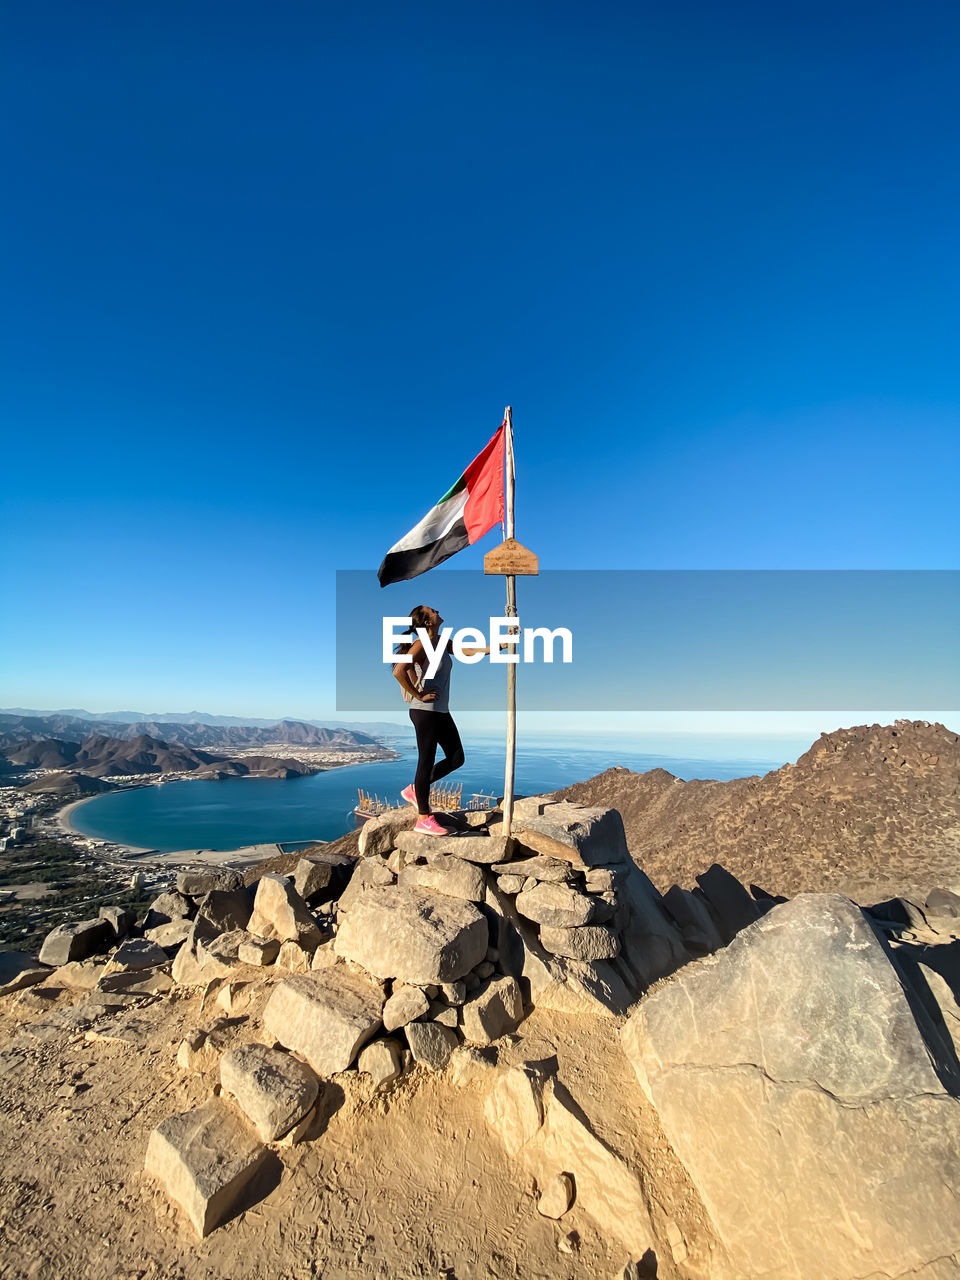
[[62, 820]]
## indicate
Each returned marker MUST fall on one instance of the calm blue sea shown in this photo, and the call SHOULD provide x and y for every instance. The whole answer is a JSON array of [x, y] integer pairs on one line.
[[240, 811]]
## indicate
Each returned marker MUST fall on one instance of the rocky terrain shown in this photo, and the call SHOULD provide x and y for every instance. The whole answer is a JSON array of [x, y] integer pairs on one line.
[[500, 1056]]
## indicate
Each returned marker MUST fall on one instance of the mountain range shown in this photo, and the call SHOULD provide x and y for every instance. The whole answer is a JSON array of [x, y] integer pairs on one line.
[[20, 730], [378, 728]]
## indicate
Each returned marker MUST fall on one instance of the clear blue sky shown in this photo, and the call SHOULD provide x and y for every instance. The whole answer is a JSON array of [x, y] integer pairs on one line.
[[270, 273]]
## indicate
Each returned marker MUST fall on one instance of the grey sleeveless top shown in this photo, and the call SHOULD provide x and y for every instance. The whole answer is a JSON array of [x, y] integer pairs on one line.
[[440, 684]]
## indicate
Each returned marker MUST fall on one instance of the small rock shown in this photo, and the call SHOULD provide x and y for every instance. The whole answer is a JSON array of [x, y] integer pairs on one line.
[[943, 903], [550, 870], [258, 951], [293, 957], [233, 996], [322, 874], [512, 884], [405, 1005], [599, 880], [273, 1089], [557, 904], [588, 942], [493, 1012], [556, 1196], [431, 1043], [204, 1158], [325, 956], [168, 907], [453, 992], [484, 969], [569, 1243], [378, 835], [382, 1061], [201, 1048], [443, 1013], [468, 1064]]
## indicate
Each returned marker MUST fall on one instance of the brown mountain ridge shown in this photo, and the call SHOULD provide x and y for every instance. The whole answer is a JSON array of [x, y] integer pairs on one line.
[[871, 811]]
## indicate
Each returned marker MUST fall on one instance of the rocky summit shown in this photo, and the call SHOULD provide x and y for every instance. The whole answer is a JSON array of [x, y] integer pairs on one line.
[[491, 1056]]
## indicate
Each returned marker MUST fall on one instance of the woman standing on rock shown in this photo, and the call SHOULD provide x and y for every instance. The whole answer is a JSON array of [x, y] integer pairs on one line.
[[430, 713]]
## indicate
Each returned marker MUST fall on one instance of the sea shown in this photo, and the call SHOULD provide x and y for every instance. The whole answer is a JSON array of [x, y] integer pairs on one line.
[[242, 811]]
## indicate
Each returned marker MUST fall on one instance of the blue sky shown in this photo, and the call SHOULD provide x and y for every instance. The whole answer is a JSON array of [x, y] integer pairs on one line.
[[272, 272]]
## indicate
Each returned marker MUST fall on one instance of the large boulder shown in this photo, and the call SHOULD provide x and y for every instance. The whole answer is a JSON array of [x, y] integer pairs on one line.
[[280, 912], [205, 1158], [369, 873], [75, 941], [473, 846], [273, 1089], [167, 907], [322, 875], [325, 1016], [810, 1097], [494, 1011], [18, 969], [194, 882], [414, 935], [226, 909]]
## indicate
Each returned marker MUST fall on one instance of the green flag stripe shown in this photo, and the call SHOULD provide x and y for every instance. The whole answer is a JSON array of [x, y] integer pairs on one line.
[[453, 490]]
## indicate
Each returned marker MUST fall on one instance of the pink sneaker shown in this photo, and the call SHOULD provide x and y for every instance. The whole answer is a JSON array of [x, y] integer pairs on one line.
[[409, 794], [429, 826]]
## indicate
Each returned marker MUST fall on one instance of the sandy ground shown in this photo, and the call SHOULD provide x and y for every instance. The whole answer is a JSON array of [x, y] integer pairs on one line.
[[412, 1183]]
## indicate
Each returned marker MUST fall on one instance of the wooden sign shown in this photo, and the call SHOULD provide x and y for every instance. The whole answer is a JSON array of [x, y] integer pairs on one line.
[[511, 557]]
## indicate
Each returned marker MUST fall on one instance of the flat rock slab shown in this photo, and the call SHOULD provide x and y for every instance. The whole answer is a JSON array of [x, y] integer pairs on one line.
[[75, 941], [171, 936], [325, 1016], [18, 969], [453, 877], [473, 846], [803, 1090], [194, 882], [558, 905], [136, 953], [205, 1158], [414, 935], [581, 836], [552, 870], [274, 1090]]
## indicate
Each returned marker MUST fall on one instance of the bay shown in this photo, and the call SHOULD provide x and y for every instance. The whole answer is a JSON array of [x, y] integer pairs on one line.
[[242, 811]]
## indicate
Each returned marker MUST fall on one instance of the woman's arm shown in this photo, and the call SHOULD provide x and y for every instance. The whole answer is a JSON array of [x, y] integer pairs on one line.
[[469, 653], [403, 674]]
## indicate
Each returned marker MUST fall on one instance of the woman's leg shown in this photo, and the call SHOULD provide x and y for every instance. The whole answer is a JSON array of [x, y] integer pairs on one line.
[[426, 728], [448, 739]]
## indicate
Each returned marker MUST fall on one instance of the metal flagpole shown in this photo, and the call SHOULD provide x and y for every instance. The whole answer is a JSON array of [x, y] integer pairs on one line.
[[511, 612]]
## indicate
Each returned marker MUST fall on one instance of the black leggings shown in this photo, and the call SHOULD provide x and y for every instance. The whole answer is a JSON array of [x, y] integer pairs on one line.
[[434, 729]]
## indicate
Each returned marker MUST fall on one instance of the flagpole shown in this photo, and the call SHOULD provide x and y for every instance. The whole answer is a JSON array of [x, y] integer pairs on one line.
[[511, 612]]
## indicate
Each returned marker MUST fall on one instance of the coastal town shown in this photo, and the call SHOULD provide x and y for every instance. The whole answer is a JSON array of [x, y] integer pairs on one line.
[[49, 870]]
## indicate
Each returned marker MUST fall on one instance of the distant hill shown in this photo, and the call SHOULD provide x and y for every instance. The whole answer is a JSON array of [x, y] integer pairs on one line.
[[66, 784], [871, 811], [47, 753]]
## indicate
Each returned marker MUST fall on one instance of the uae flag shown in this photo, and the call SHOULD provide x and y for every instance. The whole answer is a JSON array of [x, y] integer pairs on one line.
[[468, 510]]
